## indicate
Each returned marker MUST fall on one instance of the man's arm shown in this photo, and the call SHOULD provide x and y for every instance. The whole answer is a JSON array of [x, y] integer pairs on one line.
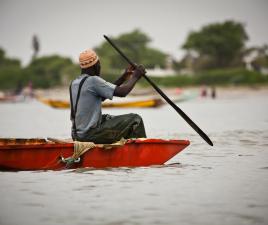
[[123, 89]]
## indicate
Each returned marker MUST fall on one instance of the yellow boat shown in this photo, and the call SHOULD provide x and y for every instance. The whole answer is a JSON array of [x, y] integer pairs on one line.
[[61, 104]]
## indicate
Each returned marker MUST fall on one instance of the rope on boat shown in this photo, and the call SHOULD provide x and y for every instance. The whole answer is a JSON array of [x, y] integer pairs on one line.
[[81, 148]]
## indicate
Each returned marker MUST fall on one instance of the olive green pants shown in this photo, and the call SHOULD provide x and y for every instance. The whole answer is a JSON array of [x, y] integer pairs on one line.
[[113, 128]]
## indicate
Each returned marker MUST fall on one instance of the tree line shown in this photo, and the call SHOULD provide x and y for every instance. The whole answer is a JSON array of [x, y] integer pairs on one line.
[[218, 47]]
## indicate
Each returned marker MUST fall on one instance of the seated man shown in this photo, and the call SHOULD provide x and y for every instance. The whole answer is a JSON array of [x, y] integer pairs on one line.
[[88, 91]]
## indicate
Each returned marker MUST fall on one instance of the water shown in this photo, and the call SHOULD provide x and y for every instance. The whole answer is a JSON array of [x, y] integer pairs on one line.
[[224, 184]]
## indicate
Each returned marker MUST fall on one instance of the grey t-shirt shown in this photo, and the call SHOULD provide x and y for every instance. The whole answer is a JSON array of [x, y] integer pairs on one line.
[[89, 113]]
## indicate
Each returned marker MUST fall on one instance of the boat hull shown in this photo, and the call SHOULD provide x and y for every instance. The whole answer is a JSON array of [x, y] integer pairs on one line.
[[147, 103], [45, 156]]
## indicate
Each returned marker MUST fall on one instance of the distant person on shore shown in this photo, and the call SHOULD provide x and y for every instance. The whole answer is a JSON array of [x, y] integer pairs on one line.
[[204, 92], [18, 89], [213, 92], [27, 91], [88, 91]]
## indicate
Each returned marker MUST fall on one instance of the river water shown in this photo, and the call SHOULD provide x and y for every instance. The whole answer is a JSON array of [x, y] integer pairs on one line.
[[220, 185]]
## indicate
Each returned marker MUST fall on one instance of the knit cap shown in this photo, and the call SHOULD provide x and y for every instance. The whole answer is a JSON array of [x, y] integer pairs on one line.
[[88, 58]]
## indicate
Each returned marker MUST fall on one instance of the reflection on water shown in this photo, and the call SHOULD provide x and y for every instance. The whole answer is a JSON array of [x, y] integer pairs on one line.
[[224, 184]]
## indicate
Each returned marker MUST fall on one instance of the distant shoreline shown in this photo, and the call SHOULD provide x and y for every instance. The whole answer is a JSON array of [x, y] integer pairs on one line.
[[62, 93]]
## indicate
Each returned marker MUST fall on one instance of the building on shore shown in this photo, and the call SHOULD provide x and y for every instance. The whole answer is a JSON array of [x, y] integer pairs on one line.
[[157, 71]]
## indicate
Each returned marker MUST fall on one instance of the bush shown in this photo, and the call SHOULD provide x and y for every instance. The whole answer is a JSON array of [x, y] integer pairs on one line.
[[10, 77], [229, 76], [10, 71]]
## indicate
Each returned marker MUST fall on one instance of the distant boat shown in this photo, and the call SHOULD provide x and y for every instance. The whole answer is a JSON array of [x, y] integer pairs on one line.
[[184, 96], [61, 104], [7, 98], [12, 98], [146, 102], [41, 154]]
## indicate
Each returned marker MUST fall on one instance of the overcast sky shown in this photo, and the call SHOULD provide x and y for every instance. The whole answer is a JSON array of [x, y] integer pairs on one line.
[[67, 27]]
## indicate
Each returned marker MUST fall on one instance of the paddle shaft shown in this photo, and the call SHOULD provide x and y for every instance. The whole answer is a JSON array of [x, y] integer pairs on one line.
[[173, 105]]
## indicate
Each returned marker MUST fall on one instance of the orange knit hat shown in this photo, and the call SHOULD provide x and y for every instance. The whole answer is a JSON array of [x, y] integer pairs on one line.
[[88, 58]]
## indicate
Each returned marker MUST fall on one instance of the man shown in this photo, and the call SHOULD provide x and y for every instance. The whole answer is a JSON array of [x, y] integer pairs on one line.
[[86, 95]]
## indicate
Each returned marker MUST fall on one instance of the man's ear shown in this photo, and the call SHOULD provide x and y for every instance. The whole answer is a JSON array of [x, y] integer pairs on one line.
[[97, 68]]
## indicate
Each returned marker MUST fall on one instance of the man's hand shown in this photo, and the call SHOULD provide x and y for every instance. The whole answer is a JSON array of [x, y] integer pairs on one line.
[[139, 71], [128, 72], [126, 87]]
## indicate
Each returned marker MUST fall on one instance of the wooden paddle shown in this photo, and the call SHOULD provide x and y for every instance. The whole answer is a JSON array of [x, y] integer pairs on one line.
[[174, 106]]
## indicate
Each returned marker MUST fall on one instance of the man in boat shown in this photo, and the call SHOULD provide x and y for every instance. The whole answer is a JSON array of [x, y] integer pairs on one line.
[[88, 91]]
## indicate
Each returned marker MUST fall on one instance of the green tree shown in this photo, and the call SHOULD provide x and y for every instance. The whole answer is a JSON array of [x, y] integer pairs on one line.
[[135, 46], [7, 62], [262, 58], [10, 71], [220, 43], [43, 72], [49, 71]]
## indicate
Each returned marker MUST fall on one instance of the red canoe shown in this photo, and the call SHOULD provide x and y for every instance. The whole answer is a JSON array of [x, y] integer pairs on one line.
[[39, 154]]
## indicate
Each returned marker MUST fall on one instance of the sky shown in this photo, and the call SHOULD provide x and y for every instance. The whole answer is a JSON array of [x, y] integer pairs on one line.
[[67, 27]]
